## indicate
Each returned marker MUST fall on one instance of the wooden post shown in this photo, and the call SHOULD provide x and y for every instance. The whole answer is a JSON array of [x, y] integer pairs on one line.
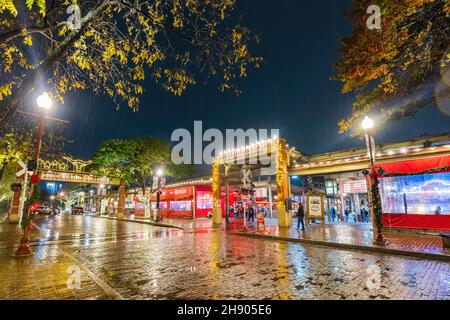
[[217, 208], [284, 220], [121, 206]]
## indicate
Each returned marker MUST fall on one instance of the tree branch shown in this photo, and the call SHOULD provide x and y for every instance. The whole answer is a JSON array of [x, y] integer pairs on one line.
[[11, 35], [13, 101]]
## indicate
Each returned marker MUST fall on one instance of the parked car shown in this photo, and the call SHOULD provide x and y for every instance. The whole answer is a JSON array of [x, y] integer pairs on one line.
[[47, 209], [44, 209], [77, 210]]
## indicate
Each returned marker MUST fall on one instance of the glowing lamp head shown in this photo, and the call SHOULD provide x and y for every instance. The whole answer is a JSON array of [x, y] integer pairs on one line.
[[367, 123], [44, 101], [159, 172]]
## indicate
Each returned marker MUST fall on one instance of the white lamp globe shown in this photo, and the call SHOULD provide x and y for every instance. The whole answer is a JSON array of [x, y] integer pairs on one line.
[[44, 101], [367, 123]]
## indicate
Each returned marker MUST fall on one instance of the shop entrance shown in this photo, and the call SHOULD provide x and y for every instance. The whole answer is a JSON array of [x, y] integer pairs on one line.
[[235, 170], [346, 197]]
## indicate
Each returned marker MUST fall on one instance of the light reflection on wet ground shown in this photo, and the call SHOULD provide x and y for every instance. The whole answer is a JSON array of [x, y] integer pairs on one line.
[[146, 262]]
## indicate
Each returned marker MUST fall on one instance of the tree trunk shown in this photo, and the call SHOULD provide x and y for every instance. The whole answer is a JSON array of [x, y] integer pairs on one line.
[[29, 81], [2, 169]]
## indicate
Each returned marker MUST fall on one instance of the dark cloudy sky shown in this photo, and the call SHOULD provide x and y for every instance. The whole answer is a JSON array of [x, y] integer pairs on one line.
[[292, 92]]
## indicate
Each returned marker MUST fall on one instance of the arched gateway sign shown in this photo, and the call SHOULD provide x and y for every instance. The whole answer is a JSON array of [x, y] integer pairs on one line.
[[77, 178], [270, 157], [72, 171]]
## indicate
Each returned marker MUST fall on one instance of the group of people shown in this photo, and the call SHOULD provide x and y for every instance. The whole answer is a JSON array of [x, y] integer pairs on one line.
[[251, 211], [349, 215]]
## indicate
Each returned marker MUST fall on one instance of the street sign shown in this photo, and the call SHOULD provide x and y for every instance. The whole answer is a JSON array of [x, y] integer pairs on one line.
[[246, 177], [24, 169]]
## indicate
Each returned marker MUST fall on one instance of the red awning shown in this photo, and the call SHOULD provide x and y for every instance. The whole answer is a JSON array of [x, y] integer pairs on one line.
[[411, 166]]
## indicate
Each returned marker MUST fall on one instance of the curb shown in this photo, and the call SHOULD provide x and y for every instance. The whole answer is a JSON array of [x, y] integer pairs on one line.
[[110, 292], [162, 225], [414, 254]]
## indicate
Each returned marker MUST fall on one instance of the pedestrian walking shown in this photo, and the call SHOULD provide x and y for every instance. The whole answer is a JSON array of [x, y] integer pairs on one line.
[[301, 217], [346, 213], [364, 215], [251, 214], [333, 213]]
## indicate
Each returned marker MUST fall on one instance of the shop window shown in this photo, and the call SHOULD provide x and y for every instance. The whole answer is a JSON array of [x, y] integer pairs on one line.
[[416, 194], [331, 187], [162, 205], [204, 200], [180, 205]]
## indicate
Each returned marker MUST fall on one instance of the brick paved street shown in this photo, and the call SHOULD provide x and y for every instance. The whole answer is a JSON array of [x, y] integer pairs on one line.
[[140, 261]]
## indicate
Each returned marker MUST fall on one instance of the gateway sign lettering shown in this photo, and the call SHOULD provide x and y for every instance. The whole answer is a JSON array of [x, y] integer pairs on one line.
[[78, 178]]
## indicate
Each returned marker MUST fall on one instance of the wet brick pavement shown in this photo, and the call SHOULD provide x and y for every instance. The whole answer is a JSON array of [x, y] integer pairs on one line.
[[213, 265], [146, 262], [44, 279]]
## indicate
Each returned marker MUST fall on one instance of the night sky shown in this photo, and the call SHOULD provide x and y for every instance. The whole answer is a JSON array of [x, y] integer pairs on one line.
[[292, 91]]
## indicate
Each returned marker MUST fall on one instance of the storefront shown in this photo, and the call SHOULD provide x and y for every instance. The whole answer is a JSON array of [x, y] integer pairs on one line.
[[415, 194], [343, 191], [181, 202]]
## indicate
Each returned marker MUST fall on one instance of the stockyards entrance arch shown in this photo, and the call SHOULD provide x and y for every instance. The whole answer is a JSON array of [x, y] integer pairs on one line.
[[68, 170], [236, 169]]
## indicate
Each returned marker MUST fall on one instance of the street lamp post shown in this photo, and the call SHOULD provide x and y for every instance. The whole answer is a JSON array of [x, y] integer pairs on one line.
[[227, 200], [44, 102], [374, 192], [159, 174]]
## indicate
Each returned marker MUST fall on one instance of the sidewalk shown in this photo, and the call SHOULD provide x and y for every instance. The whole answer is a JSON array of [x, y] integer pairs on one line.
[[45, 276], [349, 236], [356, 236]]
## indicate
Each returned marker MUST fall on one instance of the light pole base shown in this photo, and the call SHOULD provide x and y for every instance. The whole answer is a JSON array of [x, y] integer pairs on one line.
[[380, 243], [23, 251]]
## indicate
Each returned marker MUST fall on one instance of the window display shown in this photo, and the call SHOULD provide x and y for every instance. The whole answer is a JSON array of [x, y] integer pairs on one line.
[[162, 205], [331, 187], [180, 205], [204, 200], [417, 194]]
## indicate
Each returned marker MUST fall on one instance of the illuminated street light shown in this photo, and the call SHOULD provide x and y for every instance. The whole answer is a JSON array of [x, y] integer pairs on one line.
[[52, 198], [44, 101], [367, 123], [159, 172]]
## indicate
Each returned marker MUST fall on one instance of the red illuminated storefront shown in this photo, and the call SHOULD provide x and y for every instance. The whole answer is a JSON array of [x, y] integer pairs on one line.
[[183, 202], [416, 194]]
